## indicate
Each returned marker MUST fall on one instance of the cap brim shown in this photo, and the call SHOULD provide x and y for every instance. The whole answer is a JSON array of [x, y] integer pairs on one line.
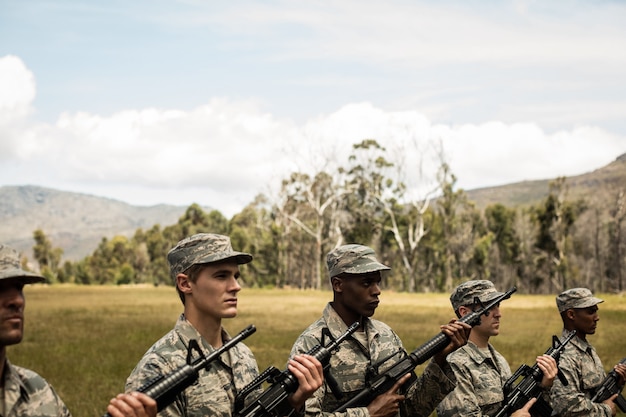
[[21, 276], [591, 302]]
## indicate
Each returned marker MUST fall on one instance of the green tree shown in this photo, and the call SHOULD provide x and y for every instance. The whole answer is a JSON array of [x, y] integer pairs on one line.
[[501, 223], [555, 219], [47, 256], [458, 231], [617, 251]]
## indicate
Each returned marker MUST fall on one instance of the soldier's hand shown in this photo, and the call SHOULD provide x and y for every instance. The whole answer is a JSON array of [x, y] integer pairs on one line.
[[611, 403], [620, 369], [548, 366], [310, 374], [388, 403], [458, 333], [525, 410], [134, 404]]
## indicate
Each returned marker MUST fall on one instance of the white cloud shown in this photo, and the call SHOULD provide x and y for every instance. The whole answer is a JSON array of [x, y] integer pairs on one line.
[[17, 85], [222, 153]]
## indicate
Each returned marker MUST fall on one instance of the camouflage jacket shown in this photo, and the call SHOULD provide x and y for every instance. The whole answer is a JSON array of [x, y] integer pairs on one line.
[[583, 369], [349, 367], [480, 378], [213, 394], [28, 394]]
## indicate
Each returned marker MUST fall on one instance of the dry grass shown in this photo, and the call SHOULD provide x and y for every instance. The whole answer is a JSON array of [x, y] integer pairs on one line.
[[86, 340]]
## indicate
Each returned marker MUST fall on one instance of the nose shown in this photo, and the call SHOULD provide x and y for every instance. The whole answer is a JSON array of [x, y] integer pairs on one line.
[[234, 285], [495, 312], [375, 288]]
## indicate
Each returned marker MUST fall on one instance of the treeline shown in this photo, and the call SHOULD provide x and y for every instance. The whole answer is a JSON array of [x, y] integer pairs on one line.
[[432, 244]]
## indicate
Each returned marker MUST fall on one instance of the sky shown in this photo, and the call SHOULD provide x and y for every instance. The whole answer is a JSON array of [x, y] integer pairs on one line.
[[181, 102]]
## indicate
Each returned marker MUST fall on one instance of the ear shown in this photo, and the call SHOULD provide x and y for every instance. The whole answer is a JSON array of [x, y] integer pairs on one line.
[[570, 314], [336, 284], [463, 311], [183, 283]]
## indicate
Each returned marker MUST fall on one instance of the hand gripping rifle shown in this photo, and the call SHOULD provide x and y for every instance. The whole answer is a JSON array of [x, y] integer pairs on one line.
[[611, 386], [165, 388], [530, 386], [383, 382], [272, 401]]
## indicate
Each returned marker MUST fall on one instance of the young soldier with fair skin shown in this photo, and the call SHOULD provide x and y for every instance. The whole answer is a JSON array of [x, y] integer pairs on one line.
[[355, 275], [579, 361], [480, 370], [205, 270], [23, 392]]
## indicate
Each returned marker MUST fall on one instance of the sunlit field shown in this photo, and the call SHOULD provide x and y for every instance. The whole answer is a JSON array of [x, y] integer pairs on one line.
[[86, 340]]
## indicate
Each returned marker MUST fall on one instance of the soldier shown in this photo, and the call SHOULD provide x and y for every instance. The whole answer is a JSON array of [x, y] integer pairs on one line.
[[205, 270], [579, 362], [481, 371], [355, 276], [24, 392]]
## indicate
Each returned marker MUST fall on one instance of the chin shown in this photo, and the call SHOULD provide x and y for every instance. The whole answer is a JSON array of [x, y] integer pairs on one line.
[[229, 314]]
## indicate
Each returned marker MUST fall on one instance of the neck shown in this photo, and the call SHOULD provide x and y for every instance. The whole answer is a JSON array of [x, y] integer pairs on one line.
[[348, 316], [209, 328], [479, 340]]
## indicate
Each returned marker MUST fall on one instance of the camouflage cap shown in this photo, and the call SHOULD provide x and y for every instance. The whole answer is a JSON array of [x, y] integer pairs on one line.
[[353, 259], [10, 267], [466, 293], [576, 298], [202, 248]]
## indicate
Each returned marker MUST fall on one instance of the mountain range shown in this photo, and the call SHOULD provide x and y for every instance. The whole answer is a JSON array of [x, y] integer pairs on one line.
[[77, 222]]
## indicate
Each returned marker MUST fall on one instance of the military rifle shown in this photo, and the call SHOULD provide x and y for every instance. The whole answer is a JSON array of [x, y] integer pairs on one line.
[[384, 381], [272, 402], [530, 385], [164, 388], [611, 386]]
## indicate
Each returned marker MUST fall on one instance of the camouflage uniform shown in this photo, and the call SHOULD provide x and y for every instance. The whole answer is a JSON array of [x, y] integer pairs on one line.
[[480, 377], [28, 394], [349, 365], [213, 394], [25, 392], [580, 364], [480, 373]]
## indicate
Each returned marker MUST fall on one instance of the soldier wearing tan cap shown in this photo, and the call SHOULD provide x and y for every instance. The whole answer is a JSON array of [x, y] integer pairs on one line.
[[481, 371], [355, 275], [579, 362], [205, 271], [24, 393]]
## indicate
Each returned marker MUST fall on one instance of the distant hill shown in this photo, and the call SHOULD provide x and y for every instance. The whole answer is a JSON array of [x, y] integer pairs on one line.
[[599, 187], [73, 221], [78, 222]]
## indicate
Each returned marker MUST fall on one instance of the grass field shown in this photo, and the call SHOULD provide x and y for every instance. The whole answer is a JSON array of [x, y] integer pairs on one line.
[[86, 340]]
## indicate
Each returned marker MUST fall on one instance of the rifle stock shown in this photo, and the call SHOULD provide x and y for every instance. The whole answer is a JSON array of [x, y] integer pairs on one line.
[[383, 382], [272, 401], [164, 388], [611, 386], [530, 385]]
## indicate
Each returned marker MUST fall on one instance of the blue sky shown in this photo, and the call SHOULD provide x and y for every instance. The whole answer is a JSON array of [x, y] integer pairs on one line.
[[214, 102]]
